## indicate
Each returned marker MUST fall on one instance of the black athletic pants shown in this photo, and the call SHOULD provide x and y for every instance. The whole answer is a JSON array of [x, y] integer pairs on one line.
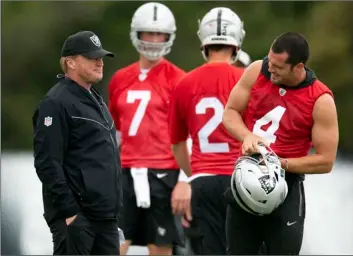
[[155, 225], [85, 237], [207, 231], [281, 231]]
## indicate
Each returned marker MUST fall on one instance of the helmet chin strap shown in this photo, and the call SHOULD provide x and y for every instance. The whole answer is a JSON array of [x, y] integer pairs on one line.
[[264, 153]]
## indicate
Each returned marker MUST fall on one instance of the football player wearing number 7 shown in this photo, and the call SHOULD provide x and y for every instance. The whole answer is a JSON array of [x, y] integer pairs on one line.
[[196, 108], [281, 102], [138, 100]]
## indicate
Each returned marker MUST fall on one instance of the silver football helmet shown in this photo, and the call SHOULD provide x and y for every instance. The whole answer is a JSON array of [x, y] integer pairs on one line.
[[221, 26], [153, 17], [258, 182]]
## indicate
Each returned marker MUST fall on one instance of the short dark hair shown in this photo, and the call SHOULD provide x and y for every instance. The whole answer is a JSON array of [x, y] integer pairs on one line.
[[295, 45], [218, 48]]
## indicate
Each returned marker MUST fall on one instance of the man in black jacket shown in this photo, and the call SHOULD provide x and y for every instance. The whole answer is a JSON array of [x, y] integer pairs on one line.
[[76, 155]]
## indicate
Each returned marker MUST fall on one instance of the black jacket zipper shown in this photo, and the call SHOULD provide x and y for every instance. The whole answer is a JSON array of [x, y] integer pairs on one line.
[[114, 153]]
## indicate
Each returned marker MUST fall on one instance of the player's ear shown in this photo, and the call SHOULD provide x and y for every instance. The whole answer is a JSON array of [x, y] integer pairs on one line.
[[299, 66], [71, 63]]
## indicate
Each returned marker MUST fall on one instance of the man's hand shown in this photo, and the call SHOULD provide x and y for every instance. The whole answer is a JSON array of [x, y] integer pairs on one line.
[[185, 221], [250, 144], [70, 220], [181, 200]]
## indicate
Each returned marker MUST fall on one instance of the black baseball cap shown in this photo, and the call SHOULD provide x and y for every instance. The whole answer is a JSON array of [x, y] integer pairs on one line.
[[84, 43]]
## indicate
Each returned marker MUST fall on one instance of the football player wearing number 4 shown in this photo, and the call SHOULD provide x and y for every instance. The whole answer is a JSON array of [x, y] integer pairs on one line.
[[196, 108], [138, 100], [288, 108]]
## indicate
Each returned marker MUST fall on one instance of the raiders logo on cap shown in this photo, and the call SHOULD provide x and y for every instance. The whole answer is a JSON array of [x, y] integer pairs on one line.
[[95, 40]]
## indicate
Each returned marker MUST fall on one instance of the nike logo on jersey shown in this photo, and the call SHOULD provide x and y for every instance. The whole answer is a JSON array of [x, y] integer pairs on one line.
[[291, 223], [161, 175], [282, 91]]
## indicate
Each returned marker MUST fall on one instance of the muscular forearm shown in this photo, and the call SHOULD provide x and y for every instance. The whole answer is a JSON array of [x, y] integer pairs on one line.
[[182, 157], [234, 124], [312, 164]]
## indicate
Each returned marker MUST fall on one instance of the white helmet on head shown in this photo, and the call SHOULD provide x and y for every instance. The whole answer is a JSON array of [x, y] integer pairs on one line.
[[259, 185], [153, 17], [221, 26]]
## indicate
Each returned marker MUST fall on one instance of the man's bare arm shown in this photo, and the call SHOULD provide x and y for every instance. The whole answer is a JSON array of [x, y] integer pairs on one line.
[[325, 138], [238, 102], [182, 157]]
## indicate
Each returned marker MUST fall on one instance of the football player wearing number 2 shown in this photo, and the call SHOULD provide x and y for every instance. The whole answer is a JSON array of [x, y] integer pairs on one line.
[[138, 100], [196, 108], [280, 101]]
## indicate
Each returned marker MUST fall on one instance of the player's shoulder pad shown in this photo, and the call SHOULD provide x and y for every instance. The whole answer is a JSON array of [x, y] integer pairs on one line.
[[320, 88], [237, 70], [173, 69], [120, 74], [127, 69], [182, 82], [113, 81], [173, 72], [321, 85]]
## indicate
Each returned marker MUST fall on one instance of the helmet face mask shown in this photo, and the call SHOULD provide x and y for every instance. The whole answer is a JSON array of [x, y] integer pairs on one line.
[[153, 17], [258, 182], [221, 26]]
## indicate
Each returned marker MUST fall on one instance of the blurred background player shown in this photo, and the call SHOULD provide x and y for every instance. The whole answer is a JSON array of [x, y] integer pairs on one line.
[[243, 59], [197, 105], [138, 100], [289, 109]]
